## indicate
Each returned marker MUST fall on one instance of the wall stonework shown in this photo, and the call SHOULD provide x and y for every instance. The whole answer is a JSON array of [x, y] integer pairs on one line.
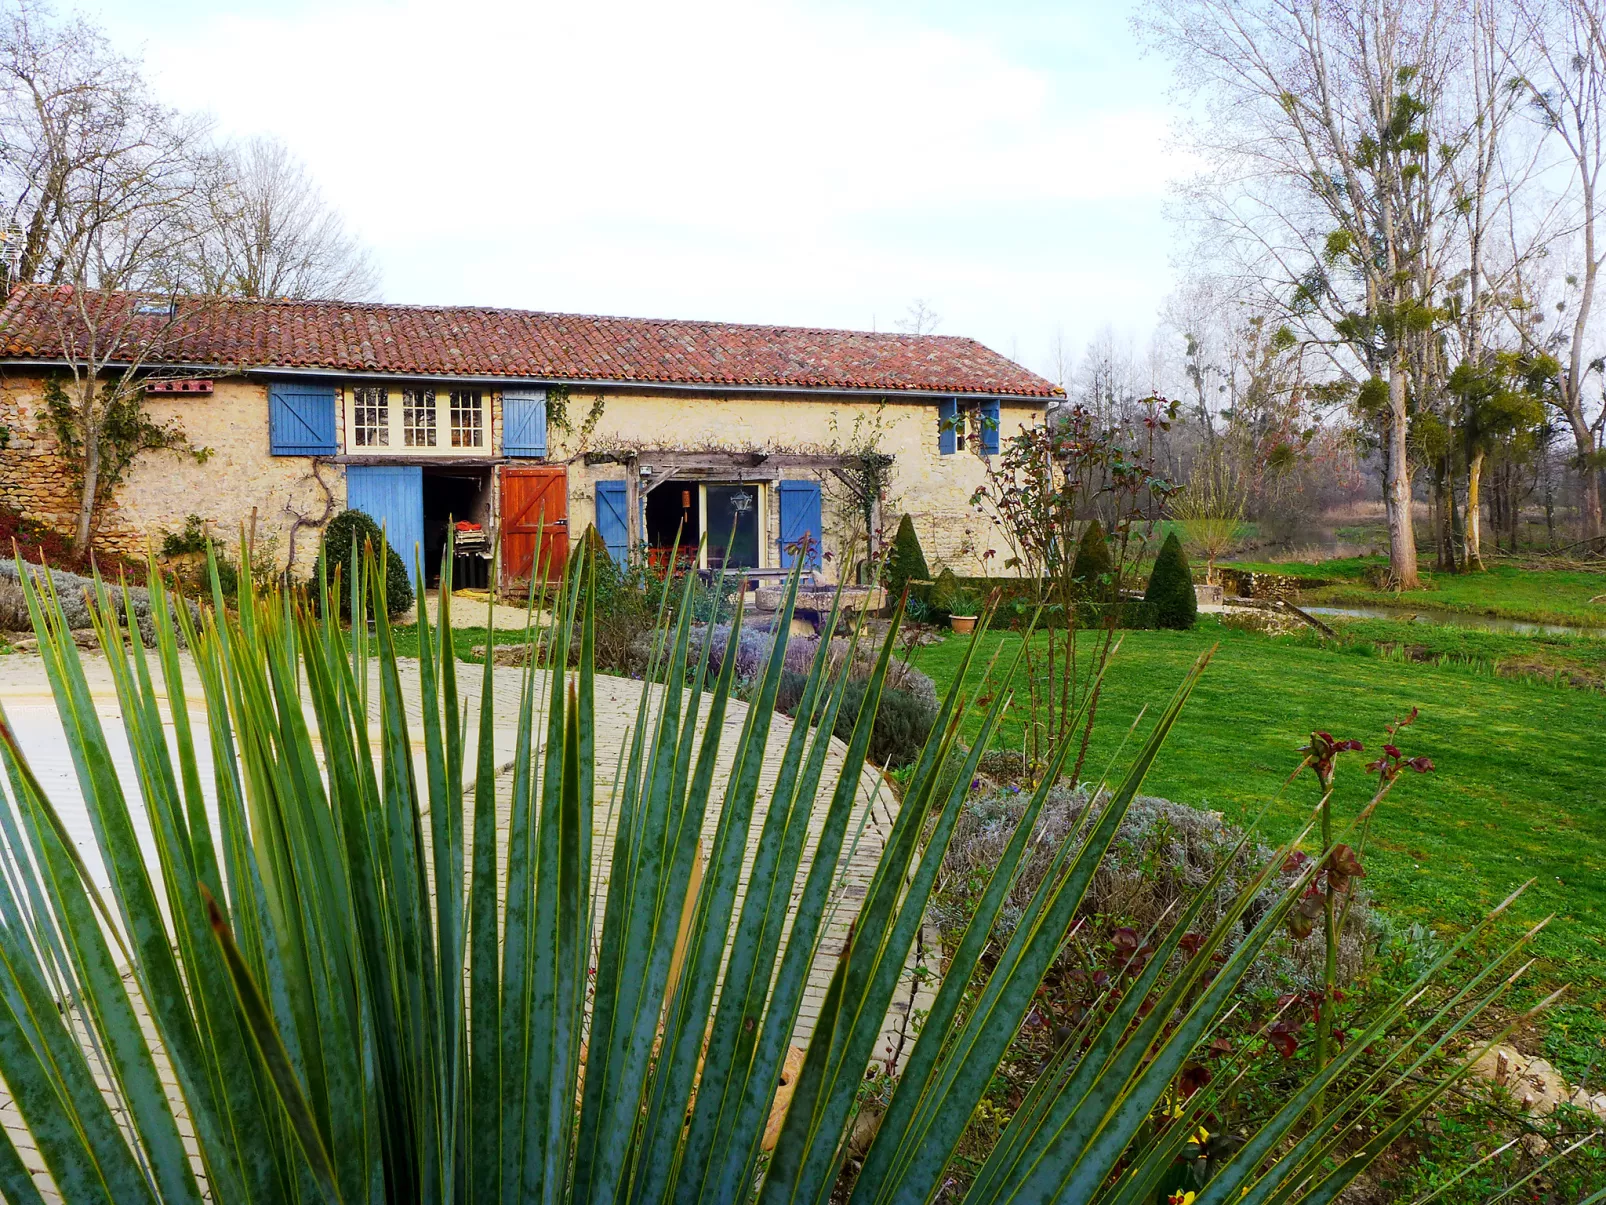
[[934, 489], [34, 477], [163, 489]]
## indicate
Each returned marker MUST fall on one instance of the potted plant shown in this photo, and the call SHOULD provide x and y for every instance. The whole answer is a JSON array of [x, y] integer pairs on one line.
[[963, 608]]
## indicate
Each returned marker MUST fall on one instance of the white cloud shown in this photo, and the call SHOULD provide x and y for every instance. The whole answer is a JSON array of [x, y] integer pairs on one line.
[[740, 156]]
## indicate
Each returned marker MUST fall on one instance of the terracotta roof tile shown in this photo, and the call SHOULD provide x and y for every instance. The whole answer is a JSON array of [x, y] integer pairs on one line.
[[470, 341]]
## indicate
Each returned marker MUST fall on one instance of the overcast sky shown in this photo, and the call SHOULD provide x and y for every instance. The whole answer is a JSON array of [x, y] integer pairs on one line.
[[810, 163]]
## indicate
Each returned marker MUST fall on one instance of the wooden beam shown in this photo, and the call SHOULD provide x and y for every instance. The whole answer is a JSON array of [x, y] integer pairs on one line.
[[439, 462], [727, 472], [633, 532], [675, 460], [701, 460]]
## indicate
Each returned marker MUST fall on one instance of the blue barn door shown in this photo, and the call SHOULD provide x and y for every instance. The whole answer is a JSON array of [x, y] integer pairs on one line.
[[611, 524], [393, 496], [801, 518]]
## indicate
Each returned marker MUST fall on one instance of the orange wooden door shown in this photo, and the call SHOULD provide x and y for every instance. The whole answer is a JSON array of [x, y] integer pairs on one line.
[[535, 507]]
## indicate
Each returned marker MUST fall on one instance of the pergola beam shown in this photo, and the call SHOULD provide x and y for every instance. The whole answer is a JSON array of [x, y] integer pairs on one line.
[[648, 468]]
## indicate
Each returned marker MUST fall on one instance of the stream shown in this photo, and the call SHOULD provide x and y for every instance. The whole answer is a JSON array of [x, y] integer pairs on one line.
[[1460, 619]]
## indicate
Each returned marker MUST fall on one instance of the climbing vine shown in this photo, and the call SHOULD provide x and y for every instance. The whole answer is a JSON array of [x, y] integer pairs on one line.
[[558, 418], [112, 421], [866, 472]]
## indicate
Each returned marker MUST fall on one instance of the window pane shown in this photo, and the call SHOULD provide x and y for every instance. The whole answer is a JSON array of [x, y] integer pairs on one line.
[[418, 418], [371, 415], [733, 526], [468, 425]]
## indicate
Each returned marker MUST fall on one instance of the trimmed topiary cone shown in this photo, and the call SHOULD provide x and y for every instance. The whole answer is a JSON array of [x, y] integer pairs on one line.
[[1093, 569], [905, 560], [944, 592], [1171, 587], [343, 539]]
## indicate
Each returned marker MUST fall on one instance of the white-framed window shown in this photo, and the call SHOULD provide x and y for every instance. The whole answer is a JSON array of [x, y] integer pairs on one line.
[[371, 416], [468, 418], [418, 417]]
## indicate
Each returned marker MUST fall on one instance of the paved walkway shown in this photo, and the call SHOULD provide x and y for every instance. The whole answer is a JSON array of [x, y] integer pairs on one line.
[[26, 696]]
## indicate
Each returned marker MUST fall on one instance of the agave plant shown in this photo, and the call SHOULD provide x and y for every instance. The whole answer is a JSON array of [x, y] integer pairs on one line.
[[362, 989]]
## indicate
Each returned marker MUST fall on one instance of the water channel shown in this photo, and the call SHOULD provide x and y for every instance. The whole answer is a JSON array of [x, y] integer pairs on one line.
[[1459, 619]]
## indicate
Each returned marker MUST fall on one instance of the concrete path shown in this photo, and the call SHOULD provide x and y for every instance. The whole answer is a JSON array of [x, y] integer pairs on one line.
[[25, 694]]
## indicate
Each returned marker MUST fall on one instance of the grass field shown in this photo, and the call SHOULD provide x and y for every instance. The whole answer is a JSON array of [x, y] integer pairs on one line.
[[1505, 589], [1518, 792], [1580, 660]]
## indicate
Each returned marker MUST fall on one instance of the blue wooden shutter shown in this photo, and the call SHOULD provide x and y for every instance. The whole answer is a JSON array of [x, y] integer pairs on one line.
[[301, 419], [524, 424], [611, 526], [392, 495], [990, 420], [947, 412], [801, 518]]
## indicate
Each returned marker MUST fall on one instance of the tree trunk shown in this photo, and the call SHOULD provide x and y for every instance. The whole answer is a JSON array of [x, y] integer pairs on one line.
[[1513, 506], [1458, 530], [1474, 516], [1589, 515], [1397, 494], [1444, 515], [86, 500], [1550, 506]]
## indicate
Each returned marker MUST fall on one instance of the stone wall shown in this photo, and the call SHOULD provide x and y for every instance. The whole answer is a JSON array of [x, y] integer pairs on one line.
[[239, 473], [163, 489], [34, 477], [935, 490], [1242, 583]]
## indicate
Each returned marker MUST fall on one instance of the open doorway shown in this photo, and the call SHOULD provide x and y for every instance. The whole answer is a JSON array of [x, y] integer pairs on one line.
[[452, 495], [673, 506]]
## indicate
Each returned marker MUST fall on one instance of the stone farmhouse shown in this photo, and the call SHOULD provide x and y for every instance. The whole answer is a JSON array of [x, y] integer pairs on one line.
[[523, 423]]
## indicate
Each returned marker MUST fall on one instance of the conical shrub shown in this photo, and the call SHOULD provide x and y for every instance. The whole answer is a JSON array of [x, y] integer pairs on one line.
[[906, 561], [944, 593], [1171, 587], [344, 538], [1093, 570]]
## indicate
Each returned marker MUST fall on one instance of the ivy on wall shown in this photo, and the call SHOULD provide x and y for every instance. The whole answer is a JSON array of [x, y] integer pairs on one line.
[[559, 419], [122, 433]]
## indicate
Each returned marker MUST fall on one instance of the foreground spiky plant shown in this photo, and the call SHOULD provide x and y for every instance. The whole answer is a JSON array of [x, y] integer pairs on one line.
[[365, 990]]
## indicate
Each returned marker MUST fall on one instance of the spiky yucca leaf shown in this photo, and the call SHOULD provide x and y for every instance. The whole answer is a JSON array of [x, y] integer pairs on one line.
[[366, 995]]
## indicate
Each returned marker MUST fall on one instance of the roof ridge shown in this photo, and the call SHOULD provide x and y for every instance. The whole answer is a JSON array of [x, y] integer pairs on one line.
[[440, 308], [287, 334]]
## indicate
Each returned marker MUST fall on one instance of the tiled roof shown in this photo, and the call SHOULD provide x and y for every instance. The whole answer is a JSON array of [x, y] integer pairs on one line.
[[446, 341]]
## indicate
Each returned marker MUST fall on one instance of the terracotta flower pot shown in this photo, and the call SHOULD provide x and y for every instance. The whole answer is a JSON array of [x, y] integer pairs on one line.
[[962, 623]]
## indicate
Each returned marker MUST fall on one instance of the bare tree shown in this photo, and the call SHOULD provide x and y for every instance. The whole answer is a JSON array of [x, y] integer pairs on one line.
[[87, 157], [1501, 226], [99, 181], [109, 341], [920, 319], [1568, 91], [266, 231], [1334, 131]]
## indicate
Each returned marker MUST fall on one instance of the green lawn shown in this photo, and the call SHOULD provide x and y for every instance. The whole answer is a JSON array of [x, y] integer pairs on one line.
[[1578, 659], [464, 639], [1505, 589], [1517, 794]]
